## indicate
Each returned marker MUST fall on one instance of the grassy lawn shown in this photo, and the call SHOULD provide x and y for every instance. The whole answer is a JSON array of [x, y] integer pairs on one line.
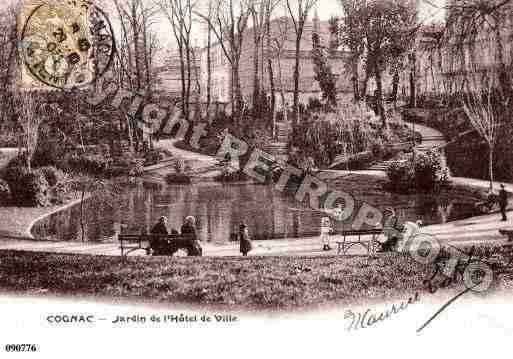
[[258, 282], [14, 221]]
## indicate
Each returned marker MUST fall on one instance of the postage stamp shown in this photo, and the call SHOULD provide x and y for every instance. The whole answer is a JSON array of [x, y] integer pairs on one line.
[[60, 47]]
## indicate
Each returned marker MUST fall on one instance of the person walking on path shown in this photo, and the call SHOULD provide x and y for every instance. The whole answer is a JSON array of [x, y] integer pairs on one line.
[[326, 231], [245, 242], [503, 202]]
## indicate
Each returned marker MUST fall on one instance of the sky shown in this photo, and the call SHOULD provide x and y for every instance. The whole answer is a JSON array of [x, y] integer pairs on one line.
[[429, 11]]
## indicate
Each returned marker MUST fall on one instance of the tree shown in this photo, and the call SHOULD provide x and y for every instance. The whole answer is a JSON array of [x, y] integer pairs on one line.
[[386, 25], [299, 15], [85, 185], [134, 66], [482, 104], [351, 36], [32, 109], [138, 43], [323, 73], [180, 15], [229, 21], [261, 12], [8, 55], [469, 22], [278, 41], [209, 61]]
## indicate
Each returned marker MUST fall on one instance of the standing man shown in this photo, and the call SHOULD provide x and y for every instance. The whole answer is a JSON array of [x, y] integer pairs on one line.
[[503, 202]]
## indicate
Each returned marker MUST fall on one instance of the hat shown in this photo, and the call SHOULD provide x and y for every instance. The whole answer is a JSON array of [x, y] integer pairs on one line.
[[190, 219], [389, 210], [242, 226]]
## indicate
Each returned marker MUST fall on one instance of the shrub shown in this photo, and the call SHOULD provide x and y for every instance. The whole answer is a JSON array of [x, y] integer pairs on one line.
[[153, 157], [427, 170], [13, 174], [27, 188], [178, 178], [36, 190], [400, 175], [5, 193], [18, 161], [48, 153], [58, 193], [425, 174], [92, 164], [351, 130], [8, 137], [180, 166], [52, 175], [127, 165], [360, 160], [231, 176]]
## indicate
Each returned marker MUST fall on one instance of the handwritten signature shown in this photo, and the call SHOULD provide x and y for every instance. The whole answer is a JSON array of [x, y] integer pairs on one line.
[[362, 320]]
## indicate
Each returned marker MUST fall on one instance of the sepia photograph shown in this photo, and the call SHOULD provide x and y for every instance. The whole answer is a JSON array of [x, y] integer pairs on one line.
[[256, 177]]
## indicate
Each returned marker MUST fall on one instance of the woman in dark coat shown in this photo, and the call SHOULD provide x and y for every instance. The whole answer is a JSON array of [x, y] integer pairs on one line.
[[189, 230], [160, 227], [245, 242]]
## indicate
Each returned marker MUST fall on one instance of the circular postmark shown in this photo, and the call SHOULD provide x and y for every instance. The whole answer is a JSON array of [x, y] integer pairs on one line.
[[67, 44]]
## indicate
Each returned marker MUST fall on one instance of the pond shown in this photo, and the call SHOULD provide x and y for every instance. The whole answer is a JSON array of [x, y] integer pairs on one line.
[[220, 208]]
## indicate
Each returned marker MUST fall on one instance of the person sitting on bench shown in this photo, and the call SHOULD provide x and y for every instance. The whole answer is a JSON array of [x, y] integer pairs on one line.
[[160, 227], [189, 230], [392, 229]]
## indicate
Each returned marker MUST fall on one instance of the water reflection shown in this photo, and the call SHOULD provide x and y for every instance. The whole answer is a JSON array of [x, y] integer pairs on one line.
[[219, 209]]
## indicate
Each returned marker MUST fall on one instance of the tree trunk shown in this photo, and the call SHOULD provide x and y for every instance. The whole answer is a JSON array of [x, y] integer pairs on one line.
[[273, 95], [379, 96], [135, 31], [296, 86], [146, 57], [490, 166], [395, 86], [355, 79], [504, 81], [209, 72], [364, 85], [188, 90], [82, 224], [413, 95], [238, 93], [185, 110], [282, 90], [256, 78]]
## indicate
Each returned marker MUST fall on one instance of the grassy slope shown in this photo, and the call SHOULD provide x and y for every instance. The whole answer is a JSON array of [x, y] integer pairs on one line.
[[266, 283]]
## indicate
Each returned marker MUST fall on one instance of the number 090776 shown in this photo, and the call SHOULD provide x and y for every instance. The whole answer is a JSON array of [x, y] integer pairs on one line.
[[20, 348]]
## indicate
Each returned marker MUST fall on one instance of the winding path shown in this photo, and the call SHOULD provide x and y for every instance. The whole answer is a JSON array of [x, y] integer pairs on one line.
[[482, 229]]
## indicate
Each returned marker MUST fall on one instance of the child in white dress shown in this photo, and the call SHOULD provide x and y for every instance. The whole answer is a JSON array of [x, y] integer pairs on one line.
[[326, 230], [411, 229]]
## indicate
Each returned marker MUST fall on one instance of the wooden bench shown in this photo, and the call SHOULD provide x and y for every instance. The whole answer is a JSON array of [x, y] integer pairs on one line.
[[367, 243], [487, 206], [158, 245]]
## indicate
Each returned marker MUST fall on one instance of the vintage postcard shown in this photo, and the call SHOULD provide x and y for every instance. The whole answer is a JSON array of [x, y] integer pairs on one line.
[[271, 178]]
